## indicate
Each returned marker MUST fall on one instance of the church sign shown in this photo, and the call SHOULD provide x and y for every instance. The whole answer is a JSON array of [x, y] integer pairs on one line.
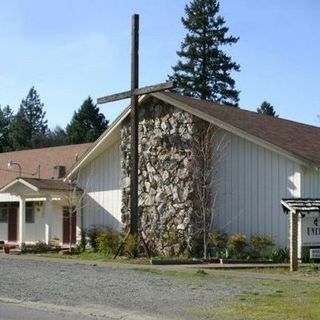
[[310, 231], [315, 253]]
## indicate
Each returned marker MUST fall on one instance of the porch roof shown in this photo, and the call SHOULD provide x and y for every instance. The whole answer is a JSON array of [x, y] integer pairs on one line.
[[301, 205], [21, 185]]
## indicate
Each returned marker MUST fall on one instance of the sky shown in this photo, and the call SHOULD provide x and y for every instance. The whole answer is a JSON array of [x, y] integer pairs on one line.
[[70, 49]]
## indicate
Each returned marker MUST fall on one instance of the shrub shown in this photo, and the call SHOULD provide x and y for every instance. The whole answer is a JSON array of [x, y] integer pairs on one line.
[[92, 234], [218, 239], [279, 255], [108, 242], [40, 247], [131, 246], [236, 244], [83, 241], [217, 244], [260, 244]]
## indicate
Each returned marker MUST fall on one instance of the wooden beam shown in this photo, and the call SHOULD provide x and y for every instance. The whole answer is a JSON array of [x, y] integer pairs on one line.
[[134, 216], [137, 92], [293, 241]]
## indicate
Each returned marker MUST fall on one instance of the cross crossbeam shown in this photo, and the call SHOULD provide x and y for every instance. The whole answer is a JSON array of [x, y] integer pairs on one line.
[[137, 92]]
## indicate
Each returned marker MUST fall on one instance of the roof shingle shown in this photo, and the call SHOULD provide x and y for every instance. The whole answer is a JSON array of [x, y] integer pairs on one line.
[[301, 140], [47, 158]]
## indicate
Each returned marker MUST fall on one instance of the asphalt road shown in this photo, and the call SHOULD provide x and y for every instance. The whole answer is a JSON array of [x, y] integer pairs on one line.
[[14, 311]]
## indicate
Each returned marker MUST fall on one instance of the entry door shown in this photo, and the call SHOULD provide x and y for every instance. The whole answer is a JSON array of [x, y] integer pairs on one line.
[[66, 226], [12, 224]]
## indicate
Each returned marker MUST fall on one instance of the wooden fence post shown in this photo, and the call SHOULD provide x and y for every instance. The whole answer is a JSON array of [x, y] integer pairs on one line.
[[293, 241]]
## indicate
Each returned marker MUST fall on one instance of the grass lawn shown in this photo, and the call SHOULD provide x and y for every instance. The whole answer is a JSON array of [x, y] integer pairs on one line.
[[94, 256], [288, 297], [278, 295]]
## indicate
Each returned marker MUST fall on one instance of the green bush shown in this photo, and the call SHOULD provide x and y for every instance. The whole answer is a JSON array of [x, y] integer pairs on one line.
[[41, 247], [217, 244], [83, 241], [218, 239], [131, 246], [92, 235], [108, 242], [279, 255], [237, 244], [260, 244]]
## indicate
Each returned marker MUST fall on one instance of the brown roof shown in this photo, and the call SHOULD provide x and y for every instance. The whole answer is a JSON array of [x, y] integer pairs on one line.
[[47, 158], [300, 140], [48, 184]]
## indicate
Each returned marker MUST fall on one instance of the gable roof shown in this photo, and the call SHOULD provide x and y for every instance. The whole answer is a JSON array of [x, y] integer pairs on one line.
[[47, 158], [299, 140], [294, 140], [38, 185]]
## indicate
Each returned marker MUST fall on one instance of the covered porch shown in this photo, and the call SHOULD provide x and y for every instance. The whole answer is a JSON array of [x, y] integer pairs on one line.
[[45, 211], [304, 231]]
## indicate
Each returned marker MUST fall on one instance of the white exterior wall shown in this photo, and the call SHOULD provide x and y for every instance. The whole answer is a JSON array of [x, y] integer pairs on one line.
[[252, 181], [311, 183], [36, 231], [3, 231], [101, 180], [7, 197]]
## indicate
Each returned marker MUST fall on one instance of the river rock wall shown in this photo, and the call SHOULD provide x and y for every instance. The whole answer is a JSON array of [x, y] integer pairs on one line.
[[166, 190]]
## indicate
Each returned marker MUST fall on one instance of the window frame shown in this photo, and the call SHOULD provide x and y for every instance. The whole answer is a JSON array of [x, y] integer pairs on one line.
[[30, 213]]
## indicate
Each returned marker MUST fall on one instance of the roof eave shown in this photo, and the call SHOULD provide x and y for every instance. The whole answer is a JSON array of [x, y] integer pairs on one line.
[[17, 181]]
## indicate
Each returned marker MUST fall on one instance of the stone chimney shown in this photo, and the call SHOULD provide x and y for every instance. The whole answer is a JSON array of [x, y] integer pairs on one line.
[[59, 172]]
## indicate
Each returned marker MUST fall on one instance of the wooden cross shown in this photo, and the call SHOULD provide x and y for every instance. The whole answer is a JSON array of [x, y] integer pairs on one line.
[[133, 94]]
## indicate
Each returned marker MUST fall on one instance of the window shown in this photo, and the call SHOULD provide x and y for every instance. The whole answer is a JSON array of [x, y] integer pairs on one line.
[[29, 212], [3, 215]]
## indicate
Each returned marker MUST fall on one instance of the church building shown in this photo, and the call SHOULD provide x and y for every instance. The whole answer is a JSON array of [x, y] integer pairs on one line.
[[262, 160]]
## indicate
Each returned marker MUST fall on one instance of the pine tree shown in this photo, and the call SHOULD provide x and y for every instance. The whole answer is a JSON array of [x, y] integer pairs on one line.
[[87, 124], [204, 70], [29, 123], [6, 117], [57, 137], [268, 109], [20, 132]]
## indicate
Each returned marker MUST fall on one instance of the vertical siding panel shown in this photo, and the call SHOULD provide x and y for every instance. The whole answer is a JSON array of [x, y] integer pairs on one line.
[[248, 192], [254, 181], [268, 192], [241, 186], [103, 189], [274, 195], [228, 187], [234, 186], [254, 188]]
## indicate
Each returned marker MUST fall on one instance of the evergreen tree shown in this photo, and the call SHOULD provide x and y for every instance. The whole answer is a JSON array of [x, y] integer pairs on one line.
[[6, 117], [268, 109], [20, 132], [57, 137], [204, 70], [29, 123], [87, 124]]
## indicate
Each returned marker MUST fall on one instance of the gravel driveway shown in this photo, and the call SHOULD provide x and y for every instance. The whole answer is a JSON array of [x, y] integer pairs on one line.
[[105, 290]]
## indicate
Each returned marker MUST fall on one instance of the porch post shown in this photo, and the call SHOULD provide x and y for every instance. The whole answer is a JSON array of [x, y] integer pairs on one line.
[[293, 241], [22, 219], [48, 224]]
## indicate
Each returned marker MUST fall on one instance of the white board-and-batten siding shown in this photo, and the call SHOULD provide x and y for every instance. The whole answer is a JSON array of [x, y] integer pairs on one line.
[[101, 181], [310, 183], [252, 180]]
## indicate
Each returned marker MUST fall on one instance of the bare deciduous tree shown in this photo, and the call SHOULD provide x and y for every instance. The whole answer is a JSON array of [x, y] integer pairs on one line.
[[75, 199], [207, 150]]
